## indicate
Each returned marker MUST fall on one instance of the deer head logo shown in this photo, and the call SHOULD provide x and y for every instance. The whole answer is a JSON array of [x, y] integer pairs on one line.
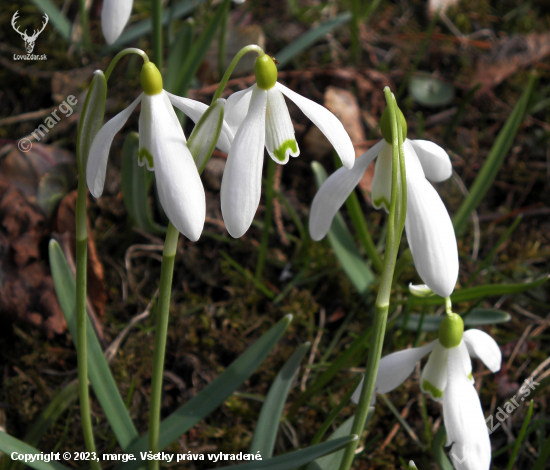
[[29, 40]]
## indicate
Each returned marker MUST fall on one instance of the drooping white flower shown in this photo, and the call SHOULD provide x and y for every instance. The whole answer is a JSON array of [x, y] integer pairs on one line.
[[114, 16], [258, 117], [447, 377], [428, 226], [162, 148]]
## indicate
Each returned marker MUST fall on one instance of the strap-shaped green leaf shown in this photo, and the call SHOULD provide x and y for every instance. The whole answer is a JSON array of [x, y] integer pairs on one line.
[[100, 375], [342, 243], [178, 51], [272, 409], [477, 317], [56, 16], [480, 292], [297, 458], [136, 181], [439, 453], [196, 409], [9, 444]]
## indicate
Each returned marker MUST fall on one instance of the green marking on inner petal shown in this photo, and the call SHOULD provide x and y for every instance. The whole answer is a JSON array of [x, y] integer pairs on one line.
[[470, 376], [144, 154], [431, 389], [280, 153], [381, 202]]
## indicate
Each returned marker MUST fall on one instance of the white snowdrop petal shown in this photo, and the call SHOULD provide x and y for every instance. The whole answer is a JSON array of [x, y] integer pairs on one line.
[[395, 368], [236, 109], [178, 183], [464, 420], [434, 375], [482, 346], [327, 123], [242, 178], [114, 16], [194, 110], [279, 132], [430, 232], [434, 160], [466, 361], [335, 190], [99, 150]]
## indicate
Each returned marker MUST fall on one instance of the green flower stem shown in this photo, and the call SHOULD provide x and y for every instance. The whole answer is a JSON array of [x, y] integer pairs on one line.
[[448, 306], [157, 33], [163, 312], [81, 343], [252, 48], [121, 54], [85, 24], [395, 228], [271, 168]]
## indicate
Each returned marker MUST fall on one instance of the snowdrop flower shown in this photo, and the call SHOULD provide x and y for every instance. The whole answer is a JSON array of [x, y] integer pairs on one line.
[[114, 16], [259, 117], [447, 377], [162, 148], [428, 226]]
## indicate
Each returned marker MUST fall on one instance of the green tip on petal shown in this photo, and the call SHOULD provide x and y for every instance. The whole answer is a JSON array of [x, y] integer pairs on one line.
[[265, 71], [146, 157], [385, 124], [431, 389], [151, 79], [280, 153], [451, 330]]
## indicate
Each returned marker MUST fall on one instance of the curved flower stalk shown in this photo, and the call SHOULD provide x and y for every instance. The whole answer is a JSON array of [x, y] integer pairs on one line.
[[258, 117], [447, 377], [163, 148], [428, 226], [114, 17]]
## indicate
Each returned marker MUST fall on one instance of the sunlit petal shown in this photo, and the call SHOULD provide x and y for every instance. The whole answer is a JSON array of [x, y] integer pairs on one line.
[[434, 160], [178, 183], [335, 190], [327, 123], [279, 132], [242, 178], [236, 109], [482, 346], [464, 420], [99, 150], [430, 233]]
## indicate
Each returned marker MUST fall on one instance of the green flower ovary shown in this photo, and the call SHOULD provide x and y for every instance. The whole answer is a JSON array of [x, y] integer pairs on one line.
[[385, 124], [151, 79], [265, 72], [451, 330], [280, 153]]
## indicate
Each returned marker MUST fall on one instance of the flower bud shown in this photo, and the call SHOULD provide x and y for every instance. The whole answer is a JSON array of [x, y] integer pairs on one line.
[[151, 79], [265, 71], [385, 124], [451, 330]]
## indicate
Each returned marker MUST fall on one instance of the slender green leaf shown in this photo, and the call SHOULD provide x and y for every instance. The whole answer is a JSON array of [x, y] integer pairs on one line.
[[301, 43], [480, 292], [497, 154], [439, 453], [56, 17], [144, 27], [196, 54], [297, 458], [196, 409], [477, 317], [544, 456], [100, 375], [136, 181], [272, 409], [343, 244], [9, 444], [521, 436], [178, 51]]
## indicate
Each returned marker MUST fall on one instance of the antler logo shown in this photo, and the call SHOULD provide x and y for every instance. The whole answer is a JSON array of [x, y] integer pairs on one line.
[[29, 40]]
